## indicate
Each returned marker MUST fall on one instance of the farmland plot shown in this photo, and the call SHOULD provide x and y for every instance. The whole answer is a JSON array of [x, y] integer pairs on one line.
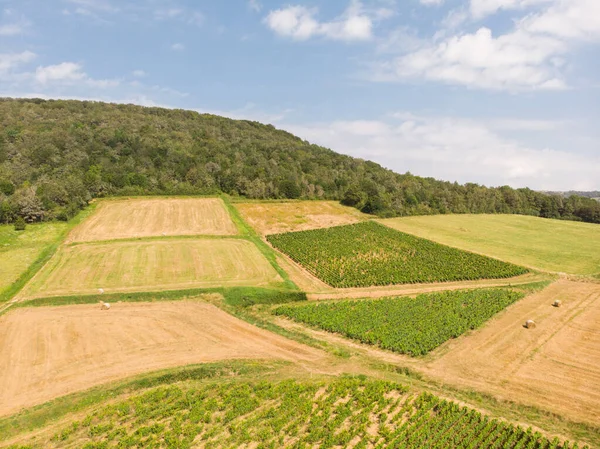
[[152, 265], [345, 412], [369, 254], [405, 325], [120, 219]]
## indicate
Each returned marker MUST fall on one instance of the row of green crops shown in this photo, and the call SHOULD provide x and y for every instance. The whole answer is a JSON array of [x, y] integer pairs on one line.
[[368, 254], [345, 412], [406, 325]]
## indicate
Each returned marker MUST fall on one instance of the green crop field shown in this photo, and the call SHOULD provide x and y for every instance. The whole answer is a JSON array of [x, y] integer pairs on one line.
[[549, 245], [19, 249], [346, 412], [405, 325], [369, 254]]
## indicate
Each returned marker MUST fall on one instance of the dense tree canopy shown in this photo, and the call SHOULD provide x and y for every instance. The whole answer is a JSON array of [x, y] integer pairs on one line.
[[55, 156]]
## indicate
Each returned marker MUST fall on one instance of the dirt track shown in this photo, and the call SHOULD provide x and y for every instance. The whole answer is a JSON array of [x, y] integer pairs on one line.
[[556, 365], [52, 351]]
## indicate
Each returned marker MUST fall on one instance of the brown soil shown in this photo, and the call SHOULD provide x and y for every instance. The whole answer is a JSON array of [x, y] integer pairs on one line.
[[52, 351], [555, 366], [274, 218], [120, 219]]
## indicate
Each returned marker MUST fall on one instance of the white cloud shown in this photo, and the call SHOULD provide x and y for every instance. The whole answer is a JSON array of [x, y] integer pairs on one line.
[[299, 23], [431, 2], [567, 19], [511, 61], [11, 29], [138, 73], [255, 5], [483, 8], [70, 73], [66, 71], [10, 61], [465, 150], [178, 47]]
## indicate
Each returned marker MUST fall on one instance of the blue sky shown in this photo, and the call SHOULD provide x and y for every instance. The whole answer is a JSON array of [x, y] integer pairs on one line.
[[488, 91]]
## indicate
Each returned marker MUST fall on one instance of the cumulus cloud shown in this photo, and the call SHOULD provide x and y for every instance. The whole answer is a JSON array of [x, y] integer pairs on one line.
[[10, 61], [255, 5], [69, 73], [300, 23], [482, 8], [431, 2], [532, 55], [459, 149], [510, 61]]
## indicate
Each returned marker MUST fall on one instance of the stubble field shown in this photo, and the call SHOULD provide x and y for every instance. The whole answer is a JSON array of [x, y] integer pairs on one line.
[[152, 266], [53, 351], [121, 219]]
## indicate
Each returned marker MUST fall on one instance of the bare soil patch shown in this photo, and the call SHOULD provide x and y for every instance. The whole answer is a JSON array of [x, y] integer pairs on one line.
[[274, 218], [52, 351], [555, 366], [152, 266], [153, 217]]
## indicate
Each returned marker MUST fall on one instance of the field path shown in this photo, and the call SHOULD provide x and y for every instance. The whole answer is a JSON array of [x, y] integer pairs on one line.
[[49, 352]]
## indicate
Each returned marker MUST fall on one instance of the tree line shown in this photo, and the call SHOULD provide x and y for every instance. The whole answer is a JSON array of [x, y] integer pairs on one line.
[[57, 155]]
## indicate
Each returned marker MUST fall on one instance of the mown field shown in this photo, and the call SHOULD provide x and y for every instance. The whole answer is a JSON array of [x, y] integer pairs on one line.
[[19, 249], [353, 412], [549, 245], [370, 254], [413, 326], [152, 265], [288, 216], [154, 217]]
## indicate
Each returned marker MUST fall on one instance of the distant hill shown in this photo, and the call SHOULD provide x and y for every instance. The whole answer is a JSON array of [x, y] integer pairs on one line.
[[594, 195], [57, 155]]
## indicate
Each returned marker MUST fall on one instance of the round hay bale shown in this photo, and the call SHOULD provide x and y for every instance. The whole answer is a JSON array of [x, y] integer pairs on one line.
[[101, 291], [530, 324], [557, 303]]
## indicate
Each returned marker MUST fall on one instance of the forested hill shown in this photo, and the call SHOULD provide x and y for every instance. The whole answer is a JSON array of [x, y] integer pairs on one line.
[[55, 156]]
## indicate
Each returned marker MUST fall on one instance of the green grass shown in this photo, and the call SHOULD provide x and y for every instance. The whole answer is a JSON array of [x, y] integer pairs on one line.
[[24, 253], [369, 254], [548, 245], [289, 413], [406, 325]]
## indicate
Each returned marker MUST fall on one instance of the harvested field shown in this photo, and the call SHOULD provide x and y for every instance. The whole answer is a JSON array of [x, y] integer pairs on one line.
[[121, 219], [52, 351], [555, 366], [152, 266], [274, 218]]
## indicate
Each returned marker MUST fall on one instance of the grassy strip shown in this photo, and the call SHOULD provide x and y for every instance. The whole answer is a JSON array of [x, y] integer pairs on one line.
[[44, 257], [234, 296], [44, 414], [245, 230]]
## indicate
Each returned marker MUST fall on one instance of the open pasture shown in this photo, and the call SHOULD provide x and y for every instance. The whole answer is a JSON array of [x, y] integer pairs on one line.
[[278, 217], [369, 254], [154, 217], [48, 352], [413, 326], [346, 412], [549, 245], [19, 249], [555, 366], [152, 266]]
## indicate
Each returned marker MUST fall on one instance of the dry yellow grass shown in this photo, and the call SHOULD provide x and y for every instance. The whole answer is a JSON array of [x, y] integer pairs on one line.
[[277, 217], [152, 266], [119, 219]]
